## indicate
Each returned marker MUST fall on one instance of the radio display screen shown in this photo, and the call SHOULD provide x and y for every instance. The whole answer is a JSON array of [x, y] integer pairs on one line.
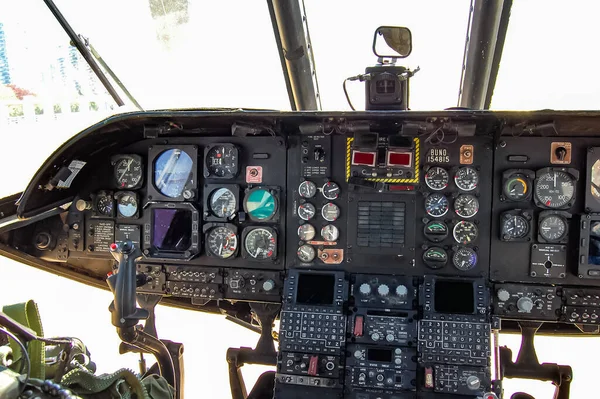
[[171, 229]]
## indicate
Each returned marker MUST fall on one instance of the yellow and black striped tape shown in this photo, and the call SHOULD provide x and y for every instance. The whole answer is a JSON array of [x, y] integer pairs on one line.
[[414, 179]]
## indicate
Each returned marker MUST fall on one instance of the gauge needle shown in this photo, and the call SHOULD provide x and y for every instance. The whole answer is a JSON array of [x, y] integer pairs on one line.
[[126, 170], [554, 179], [221, 249]]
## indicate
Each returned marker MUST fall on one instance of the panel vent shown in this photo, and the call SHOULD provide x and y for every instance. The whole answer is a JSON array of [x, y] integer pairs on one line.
[[380, 224]]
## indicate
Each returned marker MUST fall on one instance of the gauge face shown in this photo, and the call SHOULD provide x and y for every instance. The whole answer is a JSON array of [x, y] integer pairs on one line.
[[261, 243], [330, 233], [306, 211], [307, 189], [128, 172], [554, 189], [464, 259], [435, 257], [466, 206], [306, 253], [514, 226], [516, 188], [436, 205], [553, 228], [306, 232], [172, 171], [223, 203], [330, 190], [465, 232], [437, 178], [222, 242], [260, 204], [466, 178], [105, 205], [127, 205], [436, 231], [222, 161], [330, 212]]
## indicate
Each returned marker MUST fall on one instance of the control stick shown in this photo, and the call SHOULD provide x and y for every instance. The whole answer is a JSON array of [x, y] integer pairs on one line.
[[125, 313]]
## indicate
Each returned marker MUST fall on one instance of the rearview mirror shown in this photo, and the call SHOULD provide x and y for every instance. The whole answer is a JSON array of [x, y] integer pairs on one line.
[[392, 42]]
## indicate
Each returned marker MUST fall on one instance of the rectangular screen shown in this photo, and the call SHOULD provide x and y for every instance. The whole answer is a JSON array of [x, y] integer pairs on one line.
[[364, 158], [594, 244], [315, 289], [399, 159], [171, 229], [379, 355], [454, 297]]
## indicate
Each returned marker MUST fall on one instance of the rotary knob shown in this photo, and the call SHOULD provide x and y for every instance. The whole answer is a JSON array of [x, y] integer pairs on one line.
[[365, 289], [525, 304], [473, 382], [358, 354], [390, 338], [383, 290], [503, 295], [375, 336], [401, 291], [268, 285], [380, 377]]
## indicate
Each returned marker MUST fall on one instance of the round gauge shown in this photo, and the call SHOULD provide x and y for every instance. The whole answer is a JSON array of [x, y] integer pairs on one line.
[[307, 189], [554, 189], [436, 231], [435, 257], [514, 226], [330, 190], [128, 171], [307, 211], [306, 232], [222, 161], [261, 243], [223, 203], [465, 232], [553, 228], [437, 178], [222, 242], [306, 253], [464, 259], [105, 205], [466, 178], [516, 188], [466, 206], [260, 204], [436, 205], [172, 171], [330, 233], [330, 212], [127, 205]]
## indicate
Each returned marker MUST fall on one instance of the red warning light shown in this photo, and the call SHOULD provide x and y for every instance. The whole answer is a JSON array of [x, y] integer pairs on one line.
[[364, 158], [113, 246], [402, 159]]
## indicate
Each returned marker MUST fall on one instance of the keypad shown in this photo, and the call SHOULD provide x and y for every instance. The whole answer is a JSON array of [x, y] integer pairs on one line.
[[315, 330], [453, 342]]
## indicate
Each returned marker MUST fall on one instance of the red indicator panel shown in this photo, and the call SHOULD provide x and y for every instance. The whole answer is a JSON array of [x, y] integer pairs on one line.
[[364, 158], [399, 159]]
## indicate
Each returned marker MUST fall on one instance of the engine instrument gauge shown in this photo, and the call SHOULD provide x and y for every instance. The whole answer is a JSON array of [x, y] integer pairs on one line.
[[554, 189], [464, 258], [330, 190], [330, 233], [222, 161], [466, 178], [514, 227], [306, 232], [306, 211], [306, 253], [553, 228], [307, 189], [437, 178], [260, 204], [330, 212], [465, 232], [436, 231], [127, 204], [436, 205], [128, 171], [261, 243], [466, 206], [105, 204], [517, 187], [222, 242], [172, 171], [435, 257], [223, 203]]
